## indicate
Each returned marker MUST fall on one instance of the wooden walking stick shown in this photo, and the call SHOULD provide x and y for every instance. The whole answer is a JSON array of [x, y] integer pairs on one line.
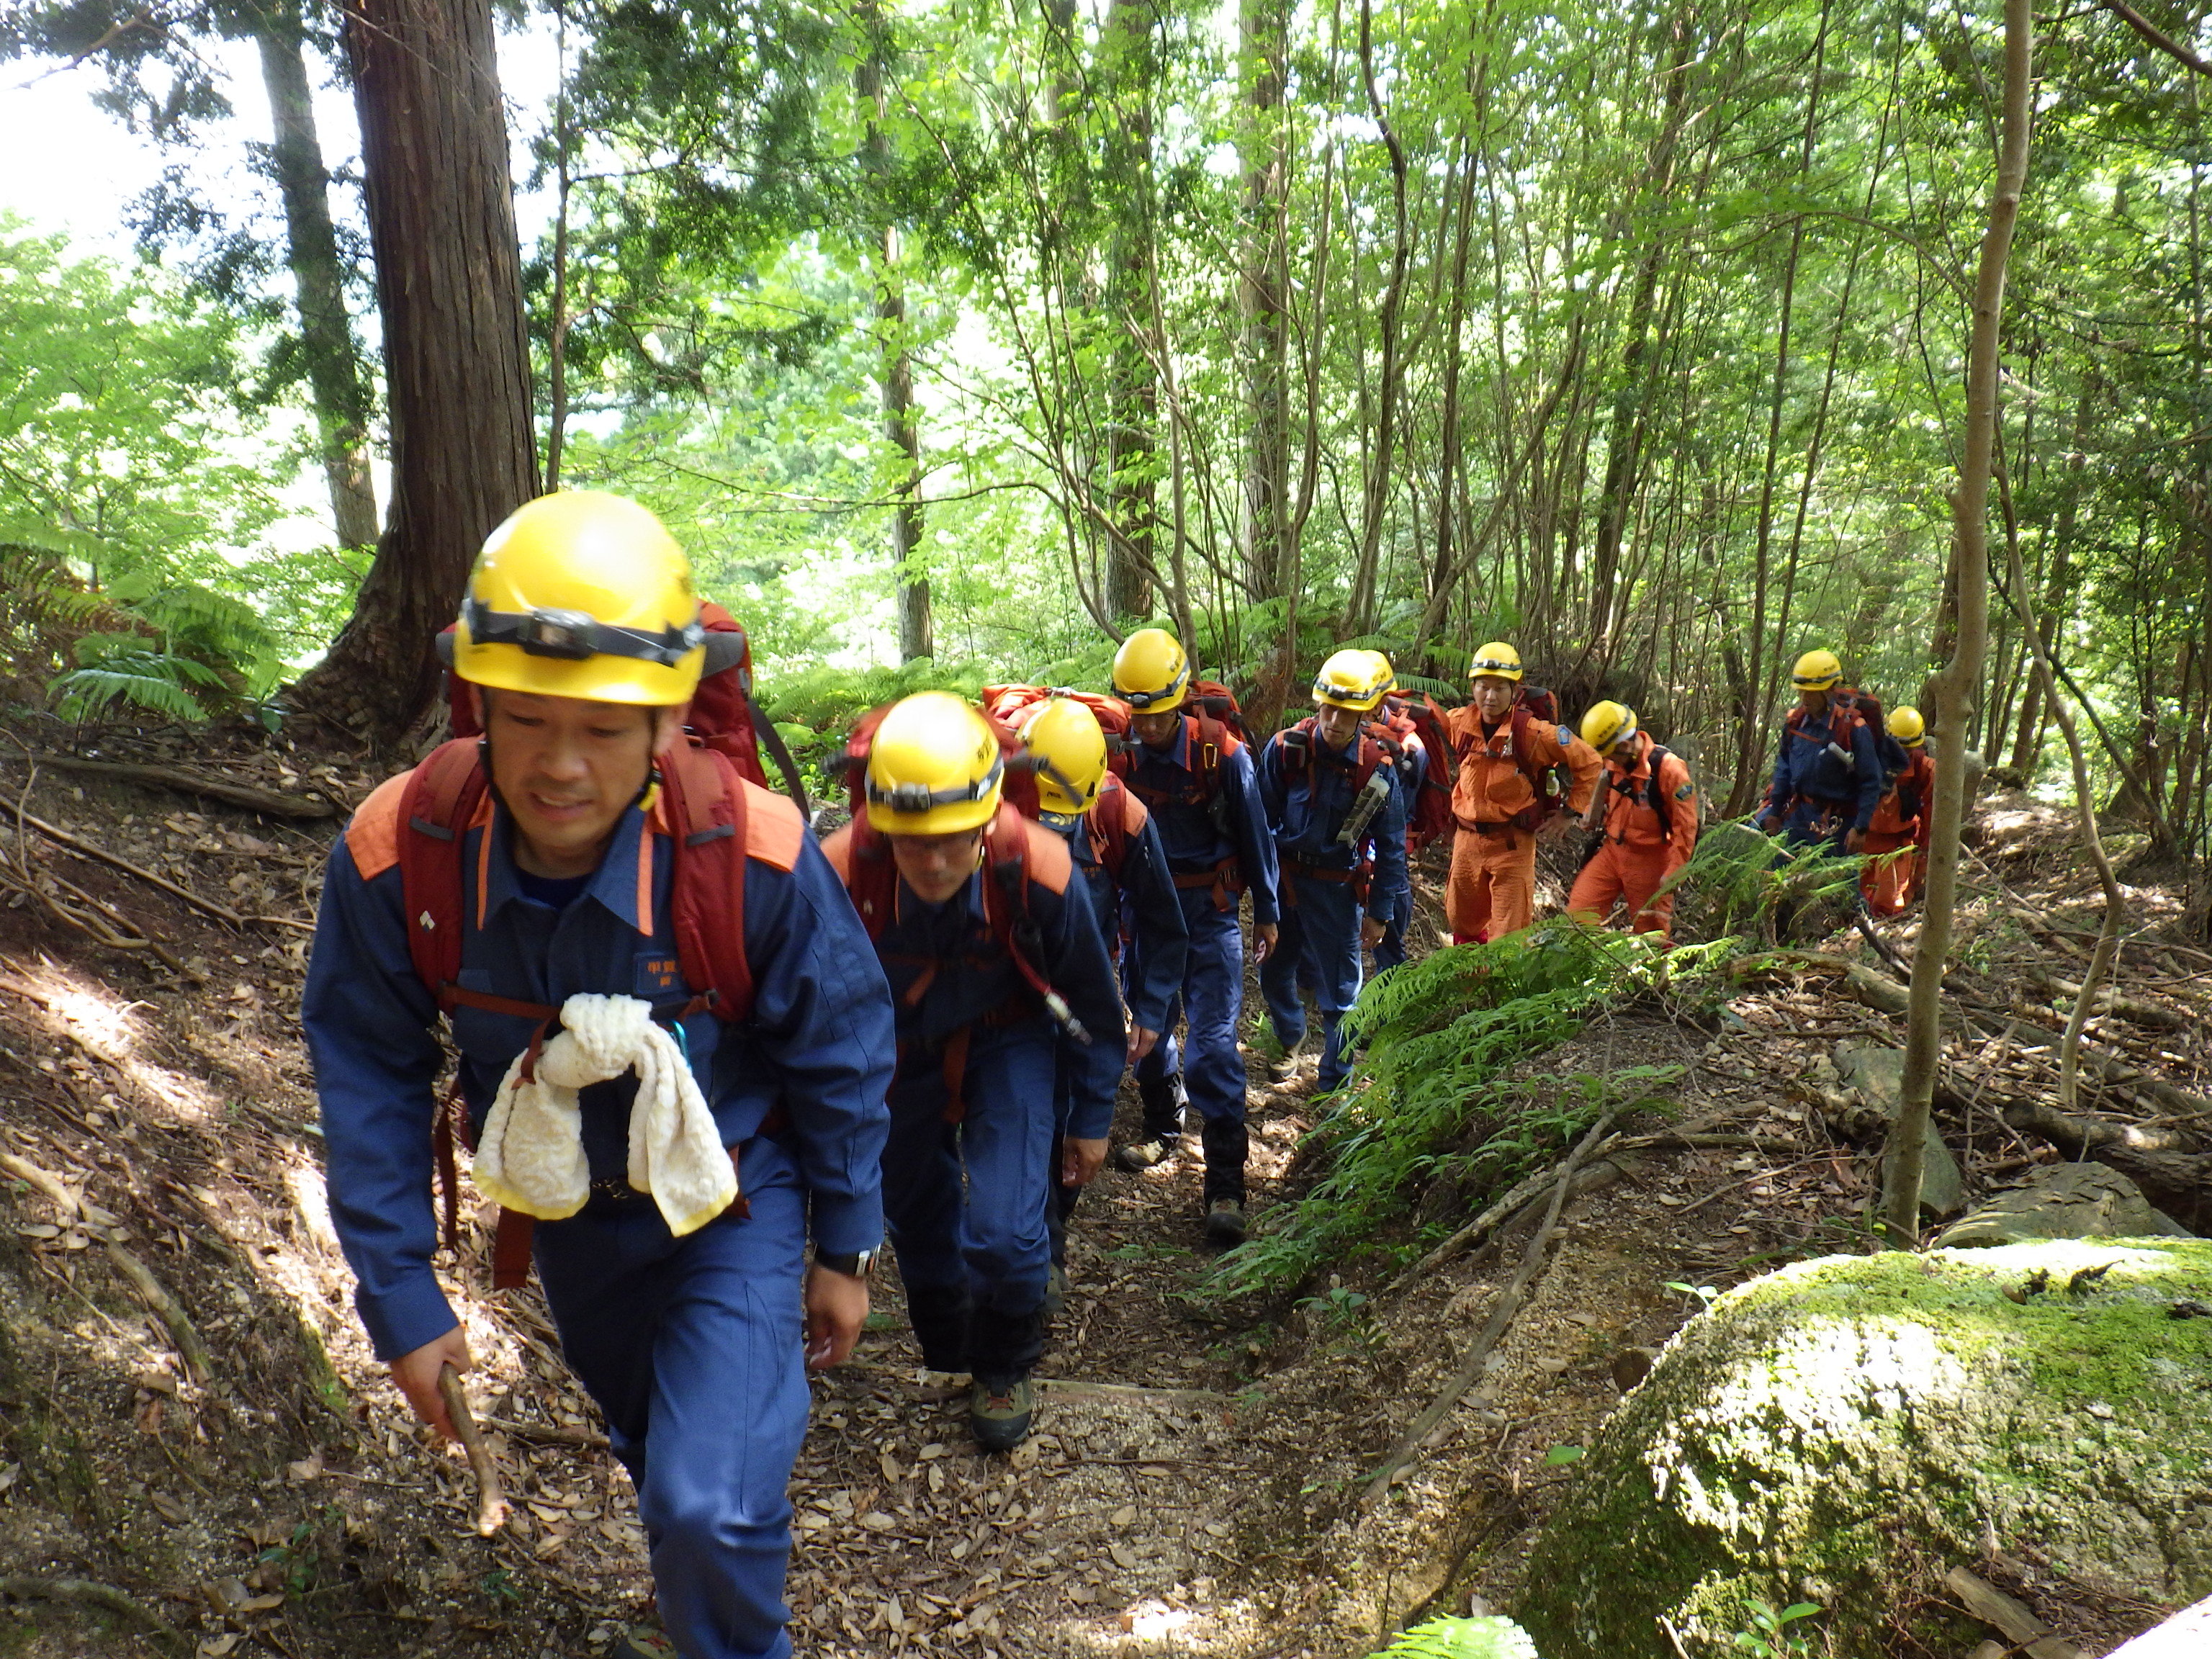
[[491, 1501]]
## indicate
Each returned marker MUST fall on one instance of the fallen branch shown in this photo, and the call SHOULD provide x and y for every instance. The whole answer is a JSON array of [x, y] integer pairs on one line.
[[269, 802], [2180, 1183], [2134, 1010], [1506, 1210], [492, 1499], [43, 1181], [166, 1308], [548, 1434], [1501, 1316], [100, 855], [25, 1588]]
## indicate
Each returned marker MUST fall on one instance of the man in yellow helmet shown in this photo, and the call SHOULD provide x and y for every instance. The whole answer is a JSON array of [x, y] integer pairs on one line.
[[552, 906], [1828, 775], [1897, 835], [992, 952], [1195, 777], [1504, 796], [1646, 816], [1331, 788]]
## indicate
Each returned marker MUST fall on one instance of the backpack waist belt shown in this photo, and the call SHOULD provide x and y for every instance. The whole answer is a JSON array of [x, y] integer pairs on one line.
[[1226, 878], [1358, 879]]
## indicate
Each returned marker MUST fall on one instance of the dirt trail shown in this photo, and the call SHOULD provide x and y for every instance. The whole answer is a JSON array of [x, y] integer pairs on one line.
[[1192, 1486]]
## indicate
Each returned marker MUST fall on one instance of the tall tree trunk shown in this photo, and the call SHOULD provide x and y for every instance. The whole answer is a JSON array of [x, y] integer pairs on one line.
[[335, 377], [901, 420], [1266, 291], [1618, 498], [455, 352], [1960, 680], [1132, 68], [1375, 501]]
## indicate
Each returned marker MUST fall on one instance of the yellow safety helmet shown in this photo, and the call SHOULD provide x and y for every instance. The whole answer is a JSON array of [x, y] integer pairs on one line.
[[1496, 658], [1606, 723], [1070, 748], [1906, 725], [1816, 670], [1384, 667], [1151, 673], [582, 594], [935, 768], [1353, 679]]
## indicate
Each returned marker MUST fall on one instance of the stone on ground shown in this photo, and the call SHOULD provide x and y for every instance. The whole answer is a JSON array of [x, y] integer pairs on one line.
[[2063, 1200], [1874, 1072], [1844, 1431]]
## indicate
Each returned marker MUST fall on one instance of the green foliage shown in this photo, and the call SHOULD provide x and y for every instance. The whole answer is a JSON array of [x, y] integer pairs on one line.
[[1742, 883], [138, 497], [1770, 1636], [1486, 1637], [1444, 1036]]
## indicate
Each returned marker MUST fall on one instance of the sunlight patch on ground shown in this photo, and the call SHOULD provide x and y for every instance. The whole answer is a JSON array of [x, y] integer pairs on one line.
[[107, 1028]]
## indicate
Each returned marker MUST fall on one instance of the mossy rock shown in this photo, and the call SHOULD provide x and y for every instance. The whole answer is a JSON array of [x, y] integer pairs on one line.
[[1841, 1430]]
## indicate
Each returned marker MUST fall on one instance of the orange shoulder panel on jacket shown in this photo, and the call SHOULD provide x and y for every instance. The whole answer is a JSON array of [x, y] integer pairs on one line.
[[372, 836], [837, 847], [1051, 866], [774, 829], [1134, 813]]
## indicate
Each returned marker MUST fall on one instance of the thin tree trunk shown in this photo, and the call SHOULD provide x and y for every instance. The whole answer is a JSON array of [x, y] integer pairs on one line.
[[336, 379], [1131, 69], [1377, 497], [456, 350], [1960, 680], [1265, 286], [556, 346], [901, 420]]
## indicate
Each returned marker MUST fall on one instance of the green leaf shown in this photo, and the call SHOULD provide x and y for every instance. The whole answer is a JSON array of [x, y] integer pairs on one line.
[[1562, 1454]]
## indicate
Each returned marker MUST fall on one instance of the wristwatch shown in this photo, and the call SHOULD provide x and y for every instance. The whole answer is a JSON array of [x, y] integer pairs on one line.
[[853, 1264]]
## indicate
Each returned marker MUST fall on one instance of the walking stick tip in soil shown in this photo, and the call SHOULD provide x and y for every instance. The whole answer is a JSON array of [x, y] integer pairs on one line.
[[491, 1500]]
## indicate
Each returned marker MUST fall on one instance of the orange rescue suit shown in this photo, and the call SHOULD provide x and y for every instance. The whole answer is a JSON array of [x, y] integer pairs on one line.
[[1638, 852], [1492, 891], [1900, 820]]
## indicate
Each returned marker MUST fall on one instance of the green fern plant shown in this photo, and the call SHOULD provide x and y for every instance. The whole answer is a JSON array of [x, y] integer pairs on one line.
[[1486, 1637], [125, 668]]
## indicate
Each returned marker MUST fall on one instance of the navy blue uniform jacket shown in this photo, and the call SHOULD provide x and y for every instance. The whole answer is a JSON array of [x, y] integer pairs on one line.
[[1167, 783], [1308, 805], [1140, 903], [819, 1040], [947, 969], [1805, 767]]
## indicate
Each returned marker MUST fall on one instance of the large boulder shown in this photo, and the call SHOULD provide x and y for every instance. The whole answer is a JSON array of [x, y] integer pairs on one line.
[[1846, 1427], [2063, 1200]]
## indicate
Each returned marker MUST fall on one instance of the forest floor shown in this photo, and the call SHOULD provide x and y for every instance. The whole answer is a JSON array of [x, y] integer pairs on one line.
[[1194, 1485]]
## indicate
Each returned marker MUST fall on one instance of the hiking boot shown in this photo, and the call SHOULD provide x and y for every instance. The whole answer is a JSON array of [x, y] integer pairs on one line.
[[1000, 1413], [1055, 1291], [1225, 1223], [1280, 1058], [1138, 1156], [643, 1641]]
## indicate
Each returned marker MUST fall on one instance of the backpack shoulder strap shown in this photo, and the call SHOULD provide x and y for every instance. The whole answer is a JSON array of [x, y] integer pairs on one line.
[[862, 859], [709, 817], [435, 808], [1116, 817], [1656, 796]]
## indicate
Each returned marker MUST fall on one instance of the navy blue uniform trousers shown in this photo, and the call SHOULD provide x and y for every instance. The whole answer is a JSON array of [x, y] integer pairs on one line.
[[692, 1347], [964, 1203], [1212, 1070], [1319, 948]]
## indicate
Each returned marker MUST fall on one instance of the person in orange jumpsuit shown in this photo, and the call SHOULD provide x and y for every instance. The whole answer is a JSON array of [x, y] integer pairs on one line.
[[1647, 814], [1891, 881], [1504, 754]]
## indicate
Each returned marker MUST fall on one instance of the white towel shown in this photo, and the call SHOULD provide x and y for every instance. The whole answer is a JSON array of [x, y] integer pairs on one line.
[[530, 1156]]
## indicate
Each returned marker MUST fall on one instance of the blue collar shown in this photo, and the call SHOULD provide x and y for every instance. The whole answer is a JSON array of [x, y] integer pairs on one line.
[[613, 884]]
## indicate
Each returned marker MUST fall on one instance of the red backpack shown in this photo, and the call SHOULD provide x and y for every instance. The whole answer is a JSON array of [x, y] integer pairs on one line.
[[704, 800], [723, 716], [1011, 706], [1428, 810]]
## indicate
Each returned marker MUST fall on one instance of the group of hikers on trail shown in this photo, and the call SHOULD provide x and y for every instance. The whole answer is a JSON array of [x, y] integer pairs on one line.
[[709, 1066]]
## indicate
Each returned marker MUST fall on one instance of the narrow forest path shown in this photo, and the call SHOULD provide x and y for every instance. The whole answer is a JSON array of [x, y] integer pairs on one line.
[[1194, 1484]]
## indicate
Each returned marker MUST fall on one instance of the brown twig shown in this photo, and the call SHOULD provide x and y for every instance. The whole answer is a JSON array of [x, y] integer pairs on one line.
[[1501, 1316], [268, 802], [167, 1308], [550, 1434], [492, 1499], [100, 855]]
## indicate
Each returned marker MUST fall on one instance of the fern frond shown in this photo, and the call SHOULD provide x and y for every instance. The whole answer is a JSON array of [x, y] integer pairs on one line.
[[1486, 1637], [1441, 690]]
